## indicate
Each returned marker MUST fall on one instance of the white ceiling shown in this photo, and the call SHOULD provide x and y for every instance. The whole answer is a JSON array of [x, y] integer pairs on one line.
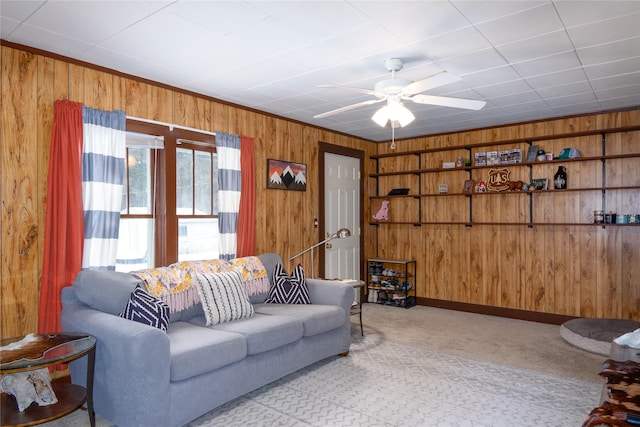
[[528, 59]]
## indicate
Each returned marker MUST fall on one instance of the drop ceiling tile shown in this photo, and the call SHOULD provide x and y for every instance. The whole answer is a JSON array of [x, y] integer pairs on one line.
[[619, 92], [90, 22], [568, 110], [560, 78], [7, 26], [268, 38], [580, 98], [486, 59], [619, 103], [318, 20], [577, 13], [597, 33], [536, 47], [609, 52], [613, 68], [515, 98], [533, 105], [453, 44], [548, 64], [481, 11], [503, 89], [219, 16], [566, 90], [622, 80], [19, 10], [522, 25], [49, 41], [422, 21], [491, 77]]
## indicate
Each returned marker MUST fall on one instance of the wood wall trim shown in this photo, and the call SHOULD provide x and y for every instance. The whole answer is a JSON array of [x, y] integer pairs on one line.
[[532, 316]]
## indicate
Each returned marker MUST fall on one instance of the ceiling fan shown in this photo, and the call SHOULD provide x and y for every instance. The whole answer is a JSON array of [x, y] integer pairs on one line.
[[394, 91]]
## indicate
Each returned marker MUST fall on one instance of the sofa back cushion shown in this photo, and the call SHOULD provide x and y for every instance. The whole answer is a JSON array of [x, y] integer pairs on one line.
[[269, 260], [107, 291]]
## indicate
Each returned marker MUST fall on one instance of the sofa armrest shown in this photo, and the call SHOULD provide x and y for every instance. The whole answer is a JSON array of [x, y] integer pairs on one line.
[[132, 360], [331, 292]]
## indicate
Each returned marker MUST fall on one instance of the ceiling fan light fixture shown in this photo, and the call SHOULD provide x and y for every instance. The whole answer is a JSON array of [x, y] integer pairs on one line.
[[394, 112], [381, 117]]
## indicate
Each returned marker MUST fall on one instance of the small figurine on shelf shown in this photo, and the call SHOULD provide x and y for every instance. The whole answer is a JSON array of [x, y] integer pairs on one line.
[[481, 187], [383, 212]]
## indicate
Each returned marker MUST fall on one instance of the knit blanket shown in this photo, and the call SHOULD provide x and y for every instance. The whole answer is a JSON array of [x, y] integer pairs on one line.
[[172, 284]]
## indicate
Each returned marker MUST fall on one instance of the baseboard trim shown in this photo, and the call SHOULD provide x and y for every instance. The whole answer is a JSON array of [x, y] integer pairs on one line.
[[533, 316]]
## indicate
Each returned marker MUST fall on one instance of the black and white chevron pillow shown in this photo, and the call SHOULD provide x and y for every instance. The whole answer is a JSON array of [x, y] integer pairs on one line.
[[288, 289], [144, 308], [224, 297]]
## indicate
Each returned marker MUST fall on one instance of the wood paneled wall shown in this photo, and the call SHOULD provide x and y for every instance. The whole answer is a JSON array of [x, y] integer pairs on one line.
[[567, 270], [564, 270], [31, 82]]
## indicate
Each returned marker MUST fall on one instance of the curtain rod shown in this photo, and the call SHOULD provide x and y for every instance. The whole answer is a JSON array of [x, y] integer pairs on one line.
[[170, 125]]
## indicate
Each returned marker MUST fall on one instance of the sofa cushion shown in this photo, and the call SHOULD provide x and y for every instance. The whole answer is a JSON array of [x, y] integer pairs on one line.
[[186, 314], [146, 309], [196, 350], [316, 318], [224, 297], [288, 289], [261, 332], [107, 291]]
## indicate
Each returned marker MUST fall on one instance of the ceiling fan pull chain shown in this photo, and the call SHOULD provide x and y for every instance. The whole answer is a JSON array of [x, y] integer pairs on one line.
[[393, 136]]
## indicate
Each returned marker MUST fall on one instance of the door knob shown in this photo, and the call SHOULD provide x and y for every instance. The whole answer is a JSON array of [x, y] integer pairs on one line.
[[328, 246]]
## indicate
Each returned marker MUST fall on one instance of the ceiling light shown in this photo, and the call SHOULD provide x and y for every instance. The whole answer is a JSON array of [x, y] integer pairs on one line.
[[394, 112]]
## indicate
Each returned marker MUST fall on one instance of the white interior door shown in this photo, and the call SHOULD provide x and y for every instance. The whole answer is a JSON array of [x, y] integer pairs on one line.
[[342, 210]]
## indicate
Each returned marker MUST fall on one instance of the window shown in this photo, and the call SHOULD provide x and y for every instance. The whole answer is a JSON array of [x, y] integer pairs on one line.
[[169, 204], [196, 206]]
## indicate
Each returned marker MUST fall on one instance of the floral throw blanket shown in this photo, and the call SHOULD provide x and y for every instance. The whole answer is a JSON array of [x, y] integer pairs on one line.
[[172, 284]]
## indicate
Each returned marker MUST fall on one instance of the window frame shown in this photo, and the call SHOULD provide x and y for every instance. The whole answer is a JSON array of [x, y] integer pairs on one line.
[[165, 215]]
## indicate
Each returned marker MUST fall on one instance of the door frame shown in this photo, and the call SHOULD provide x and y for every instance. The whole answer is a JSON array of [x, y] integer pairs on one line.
[[323, 148]]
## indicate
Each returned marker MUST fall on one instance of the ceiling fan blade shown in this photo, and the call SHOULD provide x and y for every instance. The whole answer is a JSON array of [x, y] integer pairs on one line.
[[430, 82], [350, 89], [347, 108], [469, 104]]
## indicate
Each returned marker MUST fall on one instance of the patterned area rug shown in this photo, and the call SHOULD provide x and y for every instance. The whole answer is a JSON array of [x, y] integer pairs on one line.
[[382, 383]]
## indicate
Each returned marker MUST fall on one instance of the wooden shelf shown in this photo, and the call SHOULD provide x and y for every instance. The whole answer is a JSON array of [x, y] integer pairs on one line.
[[503, 193], [528, 224], [535, 197], [515, 141]]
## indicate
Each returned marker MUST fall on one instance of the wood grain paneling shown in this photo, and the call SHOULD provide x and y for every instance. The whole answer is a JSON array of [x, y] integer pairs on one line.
[[561, 270], [20, 185]]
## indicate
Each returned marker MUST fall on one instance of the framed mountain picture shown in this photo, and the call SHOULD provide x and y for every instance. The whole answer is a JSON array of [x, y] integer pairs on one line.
[[282, 175]]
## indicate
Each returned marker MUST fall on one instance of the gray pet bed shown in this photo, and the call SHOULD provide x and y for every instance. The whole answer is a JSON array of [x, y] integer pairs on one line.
[[595, 335]]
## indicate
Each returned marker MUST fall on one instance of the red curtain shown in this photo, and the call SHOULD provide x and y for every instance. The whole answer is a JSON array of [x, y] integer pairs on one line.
[[64, 221], [246, 231]]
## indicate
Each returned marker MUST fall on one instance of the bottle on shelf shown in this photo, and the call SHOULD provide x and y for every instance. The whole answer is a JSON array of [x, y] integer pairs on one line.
[[560, 179]]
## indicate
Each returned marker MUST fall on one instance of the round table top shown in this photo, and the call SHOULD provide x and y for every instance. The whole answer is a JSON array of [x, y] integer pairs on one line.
[[40, 350]]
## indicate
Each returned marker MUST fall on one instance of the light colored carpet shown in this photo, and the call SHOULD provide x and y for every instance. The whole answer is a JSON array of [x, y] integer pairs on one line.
[[425, 367], [518, 343]]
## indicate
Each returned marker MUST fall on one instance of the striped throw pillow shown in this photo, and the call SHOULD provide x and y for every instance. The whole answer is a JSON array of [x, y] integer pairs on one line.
[[147, 309], [288, 289], [223, 296]]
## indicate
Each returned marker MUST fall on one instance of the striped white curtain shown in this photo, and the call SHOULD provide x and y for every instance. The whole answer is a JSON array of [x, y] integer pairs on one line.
[[229, 182], [103, 163]]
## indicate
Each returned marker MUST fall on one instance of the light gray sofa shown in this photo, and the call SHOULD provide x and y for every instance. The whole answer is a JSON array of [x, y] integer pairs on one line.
[[147, 377]]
